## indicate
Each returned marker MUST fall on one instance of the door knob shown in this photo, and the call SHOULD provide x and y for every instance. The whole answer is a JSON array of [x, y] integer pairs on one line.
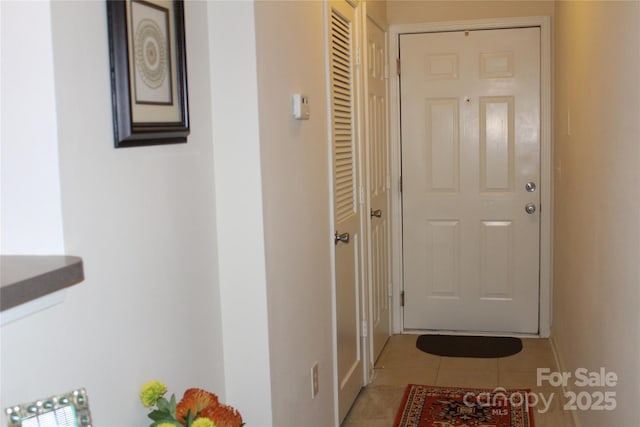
[[344, 238], [530, 208], [530, 186], [377, 213]]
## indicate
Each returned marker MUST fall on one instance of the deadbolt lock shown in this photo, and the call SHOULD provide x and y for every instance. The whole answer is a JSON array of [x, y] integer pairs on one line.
[[530, 186]]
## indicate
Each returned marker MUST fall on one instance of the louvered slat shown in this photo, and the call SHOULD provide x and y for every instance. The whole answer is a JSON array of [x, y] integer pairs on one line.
[[342, 112]]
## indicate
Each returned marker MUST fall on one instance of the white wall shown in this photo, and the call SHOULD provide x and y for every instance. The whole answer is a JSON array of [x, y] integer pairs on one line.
[[208, 263], [31, 208], [291, 59], [238, 176], [142, 218], [377, 10], [418, 11], [597, 202]]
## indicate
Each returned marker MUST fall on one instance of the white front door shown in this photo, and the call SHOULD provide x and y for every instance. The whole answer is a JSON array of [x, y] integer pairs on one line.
[[346, 203], [377, 144], [470, 112]]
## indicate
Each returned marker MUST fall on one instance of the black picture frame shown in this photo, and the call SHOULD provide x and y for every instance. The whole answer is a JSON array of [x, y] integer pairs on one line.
[[148, 72]]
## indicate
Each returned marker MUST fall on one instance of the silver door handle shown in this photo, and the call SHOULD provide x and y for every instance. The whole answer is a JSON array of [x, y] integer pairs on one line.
[[377, 213], [530, 208], [344, 238]]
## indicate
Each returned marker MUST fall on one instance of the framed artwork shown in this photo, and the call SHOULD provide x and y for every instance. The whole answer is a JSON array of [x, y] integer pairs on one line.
[[148, 72]]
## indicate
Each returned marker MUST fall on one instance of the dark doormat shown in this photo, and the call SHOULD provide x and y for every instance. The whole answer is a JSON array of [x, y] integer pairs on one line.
[[469, 346]]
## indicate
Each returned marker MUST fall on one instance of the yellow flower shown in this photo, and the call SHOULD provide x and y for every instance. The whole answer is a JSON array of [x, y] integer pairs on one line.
[[202, 422], [165, 425], [151, 392]]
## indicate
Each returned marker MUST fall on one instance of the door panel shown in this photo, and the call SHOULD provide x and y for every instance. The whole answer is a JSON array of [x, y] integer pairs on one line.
[[378, 169], [348, 319], [346, 203], [470, 106], [442, 145], [496, 262], [443, 267]]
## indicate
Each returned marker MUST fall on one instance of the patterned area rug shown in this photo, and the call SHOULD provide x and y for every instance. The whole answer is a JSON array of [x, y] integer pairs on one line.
[[430, 406]]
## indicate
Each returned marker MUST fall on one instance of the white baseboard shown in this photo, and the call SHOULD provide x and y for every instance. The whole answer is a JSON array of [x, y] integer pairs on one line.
[[561, 367]]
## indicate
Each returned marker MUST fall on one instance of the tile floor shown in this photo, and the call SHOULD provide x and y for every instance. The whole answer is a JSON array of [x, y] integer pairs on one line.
[[402, 363]]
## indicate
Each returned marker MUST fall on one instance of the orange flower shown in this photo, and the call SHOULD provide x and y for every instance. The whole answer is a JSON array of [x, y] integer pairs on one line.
[[195, 400], [222, 416]]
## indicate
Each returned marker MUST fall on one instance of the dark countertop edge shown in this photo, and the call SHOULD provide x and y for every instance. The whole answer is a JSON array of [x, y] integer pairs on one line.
[[28, 277]]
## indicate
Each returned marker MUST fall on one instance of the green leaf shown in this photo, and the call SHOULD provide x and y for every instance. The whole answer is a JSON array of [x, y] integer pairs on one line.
[[159, 415], [172, 406], [189, 419], [163, 405]]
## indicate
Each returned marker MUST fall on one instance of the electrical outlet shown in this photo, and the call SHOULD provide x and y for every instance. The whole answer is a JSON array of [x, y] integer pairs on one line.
[[314, 380]]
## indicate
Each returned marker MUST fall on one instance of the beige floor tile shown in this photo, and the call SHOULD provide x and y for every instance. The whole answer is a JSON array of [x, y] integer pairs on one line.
[[555, 415], [459, 378], [544, 343], [405, 339], [408, 357], [527, 378], [401, 363], [401, 344], [368, 423], [468, 364], [377, 402], [528, 359], [548, 408], [553, 419], [405, 375]]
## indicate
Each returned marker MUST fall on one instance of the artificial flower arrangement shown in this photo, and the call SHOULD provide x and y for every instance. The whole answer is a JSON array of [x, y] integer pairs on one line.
[[197, 408]]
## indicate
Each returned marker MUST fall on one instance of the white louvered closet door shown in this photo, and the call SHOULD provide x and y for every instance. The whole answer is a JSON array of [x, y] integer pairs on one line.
[[347, 219]]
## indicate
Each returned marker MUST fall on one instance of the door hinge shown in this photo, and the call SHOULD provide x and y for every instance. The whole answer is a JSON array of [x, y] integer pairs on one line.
[[401, 184], [388, 182], [390, 290], [358, 57], [402, 299], [386, 71], [365, 330], [361, 195], [398, 65]]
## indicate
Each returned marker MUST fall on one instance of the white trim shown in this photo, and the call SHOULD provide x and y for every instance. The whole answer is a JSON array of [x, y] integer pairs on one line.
[[560, 367], [468, 333], [394, 170], [366, 164], [32, 307], [546, 176]]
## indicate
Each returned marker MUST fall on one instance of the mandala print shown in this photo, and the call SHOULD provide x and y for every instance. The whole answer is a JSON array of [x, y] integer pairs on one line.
[[151, 53], [456, 412]]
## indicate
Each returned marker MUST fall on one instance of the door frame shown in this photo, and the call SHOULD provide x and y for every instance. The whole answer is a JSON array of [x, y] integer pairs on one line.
[[546, 175]]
